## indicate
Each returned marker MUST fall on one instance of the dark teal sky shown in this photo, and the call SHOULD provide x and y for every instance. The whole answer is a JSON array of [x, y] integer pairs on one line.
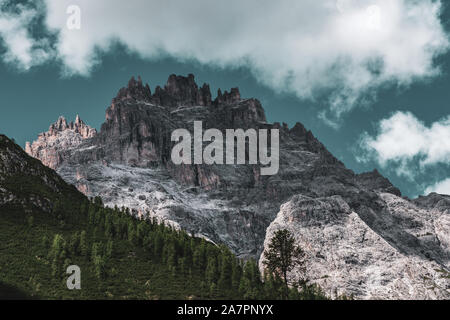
[[32, 100]]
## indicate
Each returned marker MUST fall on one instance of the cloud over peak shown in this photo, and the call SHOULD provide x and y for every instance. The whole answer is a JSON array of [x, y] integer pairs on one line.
[[402, 138], [340, 51], [441, 187], [22, 50], [404, 143]]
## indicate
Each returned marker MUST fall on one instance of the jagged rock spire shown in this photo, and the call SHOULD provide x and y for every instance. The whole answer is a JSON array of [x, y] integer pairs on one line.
[[178, 91], [205, 95], [182, 91], [135, 90], [68, 135], [59, 125], [228, 97]]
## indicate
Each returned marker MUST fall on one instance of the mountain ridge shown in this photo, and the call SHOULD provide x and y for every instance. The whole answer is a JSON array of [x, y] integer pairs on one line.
[[127, 163], [47, 225]]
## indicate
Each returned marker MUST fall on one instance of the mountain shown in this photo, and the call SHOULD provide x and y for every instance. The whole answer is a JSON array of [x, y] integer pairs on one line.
[[47, 225], [26, 183], [401, 254], [362, 238], [60, 136]]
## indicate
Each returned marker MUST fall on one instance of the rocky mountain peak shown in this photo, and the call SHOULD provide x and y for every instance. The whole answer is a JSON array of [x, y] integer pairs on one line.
[[78, 127], [299, 130], [78, 120], [60, 124], [61, 135], [228, 97], [375, 181], [182, 91], [135, 90], [327, 207], [178, 91], [177, 85]]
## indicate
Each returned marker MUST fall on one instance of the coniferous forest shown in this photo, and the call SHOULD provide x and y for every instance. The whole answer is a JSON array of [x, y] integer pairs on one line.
[[123, 257]]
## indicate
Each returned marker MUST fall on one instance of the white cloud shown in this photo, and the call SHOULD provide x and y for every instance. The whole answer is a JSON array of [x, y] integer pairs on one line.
[[343, 49], [21, 49], [403, 140], [442, 187]]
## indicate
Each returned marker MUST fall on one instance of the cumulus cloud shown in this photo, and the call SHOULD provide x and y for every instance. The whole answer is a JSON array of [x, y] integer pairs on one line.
[[442, 187], [342, 50], [22, 49], [403, 140]]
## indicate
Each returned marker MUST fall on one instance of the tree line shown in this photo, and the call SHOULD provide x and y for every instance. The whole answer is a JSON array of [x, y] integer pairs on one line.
[[219, 273]]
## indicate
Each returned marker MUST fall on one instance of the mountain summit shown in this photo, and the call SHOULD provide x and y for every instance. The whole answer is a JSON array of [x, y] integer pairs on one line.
[[62, 135], [360, 236]]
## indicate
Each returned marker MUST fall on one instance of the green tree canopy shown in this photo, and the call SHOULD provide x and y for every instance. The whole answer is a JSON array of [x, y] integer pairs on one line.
[[282, 256]]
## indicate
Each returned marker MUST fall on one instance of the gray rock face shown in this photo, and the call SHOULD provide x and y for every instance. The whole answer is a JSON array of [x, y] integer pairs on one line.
[[345, 255], [128, 164], [26, 183], [51, 147]]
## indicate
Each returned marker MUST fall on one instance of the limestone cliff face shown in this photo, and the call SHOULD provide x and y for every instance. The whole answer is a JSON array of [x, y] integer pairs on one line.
[[128, 164], [403, 255], [51, 147]]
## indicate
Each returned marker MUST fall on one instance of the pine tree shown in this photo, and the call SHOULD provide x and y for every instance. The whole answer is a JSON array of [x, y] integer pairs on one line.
[[45, 242], [97, 250], [110, 249], [171, 254], [142, 231], [57, 254], [159, 245], [100, 267], [224, 283], [109, 227], [98, 201], [187, 253], [196, 259], [236, 273], [83, 244], [251, 284], [74, 244], [91, 214], [211, 270], [282, 256], [132, 232], [57, 246], [213, 290]]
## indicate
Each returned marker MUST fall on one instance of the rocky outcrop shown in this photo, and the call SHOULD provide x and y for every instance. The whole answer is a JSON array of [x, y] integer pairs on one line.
[[344, 255], [27, 184], [376, 182], [52, 147], [128, 164]]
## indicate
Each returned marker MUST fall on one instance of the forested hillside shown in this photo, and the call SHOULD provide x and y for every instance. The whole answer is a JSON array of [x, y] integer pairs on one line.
[[47, 225]]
